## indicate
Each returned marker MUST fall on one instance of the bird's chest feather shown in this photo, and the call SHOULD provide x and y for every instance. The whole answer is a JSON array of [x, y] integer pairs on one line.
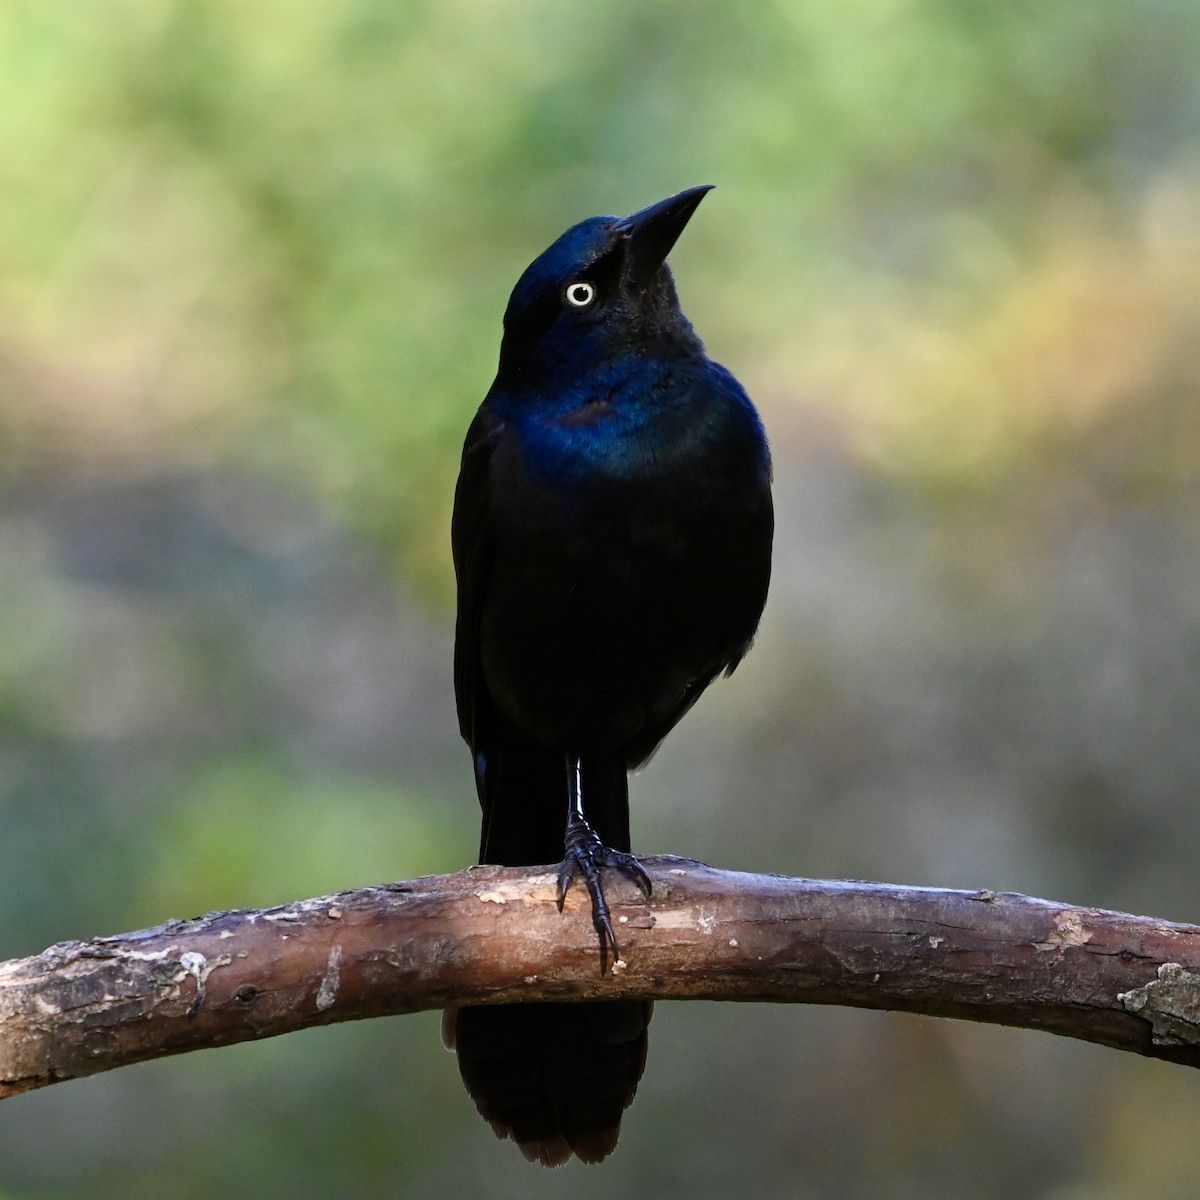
[[608, 496], [630, 537]]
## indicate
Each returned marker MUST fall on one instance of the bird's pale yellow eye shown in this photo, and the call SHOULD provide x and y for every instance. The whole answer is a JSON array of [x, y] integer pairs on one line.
[[579, 294]]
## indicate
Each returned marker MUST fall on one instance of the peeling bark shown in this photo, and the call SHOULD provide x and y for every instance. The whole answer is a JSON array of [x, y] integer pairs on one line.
[[493, 934]]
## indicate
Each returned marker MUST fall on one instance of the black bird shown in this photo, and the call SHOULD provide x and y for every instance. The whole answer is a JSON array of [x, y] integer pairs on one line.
[[612, 544]]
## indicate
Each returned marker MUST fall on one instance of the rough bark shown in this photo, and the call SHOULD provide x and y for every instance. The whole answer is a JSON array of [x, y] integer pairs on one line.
[[494, 934]]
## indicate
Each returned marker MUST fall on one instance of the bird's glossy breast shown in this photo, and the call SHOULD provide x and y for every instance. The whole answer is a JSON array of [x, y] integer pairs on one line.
[[628, 564]]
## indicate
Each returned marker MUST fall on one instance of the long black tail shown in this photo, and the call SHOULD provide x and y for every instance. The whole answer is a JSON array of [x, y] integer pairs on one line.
[[553, 1077]]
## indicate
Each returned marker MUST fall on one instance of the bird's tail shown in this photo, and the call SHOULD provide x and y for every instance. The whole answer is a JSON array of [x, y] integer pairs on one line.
[[555, 1077]]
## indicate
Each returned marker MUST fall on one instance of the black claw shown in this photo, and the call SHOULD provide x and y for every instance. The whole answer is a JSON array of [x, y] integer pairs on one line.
[[585, 855]]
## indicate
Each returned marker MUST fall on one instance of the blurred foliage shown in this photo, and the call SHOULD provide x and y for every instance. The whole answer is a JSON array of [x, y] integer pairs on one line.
[[253, 259]]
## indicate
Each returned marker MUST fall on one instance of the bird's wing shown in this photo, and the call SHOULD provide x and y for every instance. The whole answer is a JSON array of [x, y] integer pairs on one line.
[[472, 540], [521, 785]]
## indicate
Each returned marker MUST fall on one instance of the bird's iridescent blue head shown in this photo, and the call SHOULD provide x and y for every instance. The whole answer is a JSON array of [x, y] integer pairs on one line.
[[601, 291]]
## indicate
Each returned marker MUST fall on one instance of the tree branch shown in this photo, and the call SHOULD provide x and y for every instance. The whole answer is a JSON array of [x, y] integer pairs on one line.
[[493, 934]]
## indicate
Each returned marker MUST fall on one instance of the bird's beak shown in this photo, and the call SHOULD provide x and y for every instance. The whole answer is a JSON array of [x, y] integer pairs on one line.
[[652, 232]]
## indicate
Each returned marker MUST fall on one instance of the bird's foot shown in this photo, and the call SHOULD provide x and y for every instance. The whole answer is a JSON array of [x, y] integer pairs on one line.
[[585, 855]]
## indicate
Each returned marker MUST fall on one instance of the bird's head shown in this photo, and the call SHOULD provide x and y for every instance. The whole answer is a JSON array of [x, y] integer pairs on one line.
[[601, 292]]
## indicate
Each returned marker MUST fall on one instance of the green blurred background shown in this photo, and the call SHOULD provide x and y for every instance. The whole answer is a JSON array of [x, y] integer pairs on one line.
[[253, 258]]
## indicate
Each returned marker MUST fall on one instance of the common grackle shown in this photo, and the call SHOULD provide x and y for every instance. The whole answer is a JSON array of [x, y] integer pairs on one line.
[[612, 544]]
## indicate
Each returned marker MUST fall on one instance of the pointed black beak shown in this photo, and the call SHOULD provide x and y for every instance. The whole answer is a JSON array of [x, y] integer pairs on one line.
[[652, 232]]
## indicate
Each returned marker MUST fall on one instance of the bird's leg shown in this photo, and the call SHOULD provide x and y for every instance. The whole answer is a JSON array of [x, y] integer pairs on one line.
[[585, 855]]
